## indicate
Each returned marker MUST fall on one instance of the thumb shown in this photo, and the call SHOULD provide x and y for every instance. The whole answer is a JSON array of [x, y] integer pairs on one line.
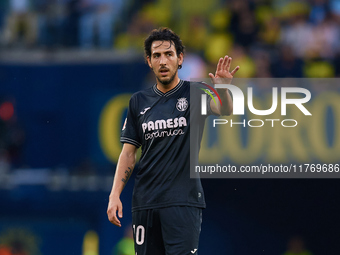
[[211, 76], [120, 212]]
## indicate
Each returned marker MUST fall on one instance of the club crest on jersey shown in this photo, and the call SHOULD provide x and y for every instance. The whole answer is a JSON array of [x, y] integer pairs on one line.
[[182, 104]]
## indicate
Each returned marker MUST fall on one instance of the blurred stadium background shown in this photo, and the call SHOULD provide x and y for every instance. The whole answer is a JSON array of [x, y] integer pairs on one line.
[[67, 70]]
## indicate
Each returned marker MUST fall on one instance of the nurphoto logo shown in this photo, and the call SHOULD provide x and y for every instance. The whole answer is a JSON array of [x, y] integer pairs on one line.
[[239, 104]]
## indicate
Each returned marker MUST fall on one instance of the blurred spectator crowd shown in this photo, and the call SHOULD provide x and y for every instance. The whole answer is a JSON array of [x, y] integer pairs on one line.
[[12, 136], [58, 23], [277, 38]]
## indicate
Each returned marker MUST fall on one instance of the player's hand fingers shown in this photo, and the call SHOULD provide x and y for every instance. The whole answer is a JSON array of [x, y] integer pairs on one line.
[[219, 65], [112, 215], [228, 64], [235, 70], [115, 220], [211, 76], [225, 62]]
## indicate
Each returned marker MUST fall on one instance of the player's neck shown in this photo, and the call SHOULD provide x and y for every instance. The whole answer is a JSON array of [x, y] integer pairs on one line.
[[165, 88]]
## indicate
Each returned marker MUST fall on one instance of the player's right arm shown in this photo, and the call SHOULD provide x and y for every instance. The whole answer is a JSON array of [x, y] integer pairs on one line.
[[125, 165]]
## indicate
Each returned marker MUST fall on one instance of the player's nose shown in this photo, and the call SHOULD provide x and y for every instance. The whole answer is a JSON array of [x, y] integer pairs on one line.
[[162, 61]]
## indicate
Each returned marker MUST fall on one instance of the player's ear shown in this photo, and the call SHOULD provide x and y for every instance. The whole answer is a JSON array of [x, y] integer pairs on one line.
[[180, 59], [149, 61]]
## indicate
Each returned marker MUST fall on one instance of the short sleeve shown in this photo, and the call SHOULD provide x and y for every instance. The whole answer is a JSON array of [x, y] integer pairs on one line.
[[130, 132]]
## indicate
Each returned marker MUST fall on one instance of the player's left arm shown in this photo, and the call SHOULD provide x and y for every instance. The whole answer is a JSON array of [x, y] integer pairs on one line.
[[223, 76]]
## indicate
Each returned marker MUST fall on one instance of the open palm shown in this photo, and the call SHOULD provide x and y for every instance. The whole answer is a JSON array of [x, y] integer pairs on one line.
[[222, 74]]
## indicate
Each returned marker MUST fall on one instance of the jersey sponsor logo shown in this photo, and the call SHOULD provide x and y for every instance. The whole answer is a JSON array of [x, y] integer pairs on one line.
[[155, 129], [164, 133], [145, 110], [164, 124], [182, 104]]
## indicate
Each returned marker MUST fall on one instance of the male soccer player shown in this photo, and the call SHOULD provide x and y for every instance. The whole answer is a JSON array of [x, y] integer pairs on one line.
[[166, 203]]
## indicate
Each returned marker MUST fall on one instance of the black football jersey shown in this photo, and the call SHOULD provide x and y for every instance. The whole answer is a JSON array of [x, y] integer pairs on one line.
[[160, 123]]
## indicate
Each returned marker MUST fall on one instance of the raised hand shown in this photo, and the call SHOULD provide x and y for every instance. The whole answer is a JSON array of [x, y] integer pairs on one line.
[[222, 74]]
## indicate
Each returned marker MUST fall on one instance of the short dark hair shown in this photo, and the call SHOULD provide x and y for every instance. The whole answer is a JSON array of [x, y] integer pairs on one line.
[[163, 34]]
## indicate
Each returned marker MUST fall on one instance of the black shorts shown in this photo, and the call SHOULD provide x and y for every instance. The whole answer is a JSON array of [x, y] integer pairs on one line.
[[167, 231]]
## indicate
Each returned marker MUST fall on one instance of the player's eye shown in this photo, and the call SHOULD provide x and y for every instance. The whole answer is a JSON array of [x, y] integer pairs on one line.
[[169, 54]]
